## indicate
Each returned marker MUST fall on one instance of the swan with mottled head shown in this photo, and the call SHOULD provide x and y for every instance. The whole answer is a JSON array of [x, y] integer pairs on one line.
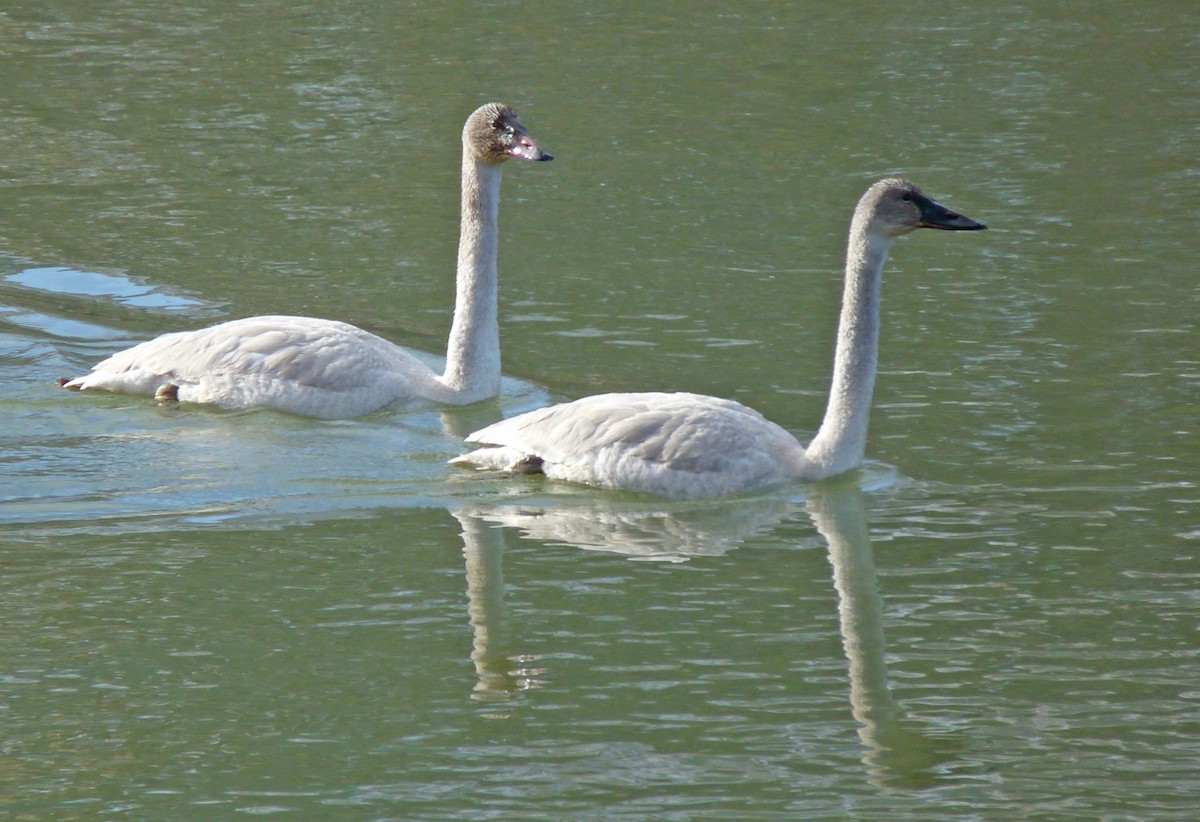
[[325, 368]]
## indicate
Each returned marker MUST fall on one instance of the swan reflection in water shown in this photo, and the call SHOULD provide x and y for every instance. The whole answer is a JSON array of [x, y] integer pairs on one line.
[[498, 671], [897, 751], [645, 531]]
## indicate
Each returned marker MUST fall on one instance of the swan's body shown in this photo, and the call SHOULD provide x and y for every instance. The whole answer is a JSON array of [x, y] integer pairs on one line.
[[693, 446], [324, 368], [677, 445]]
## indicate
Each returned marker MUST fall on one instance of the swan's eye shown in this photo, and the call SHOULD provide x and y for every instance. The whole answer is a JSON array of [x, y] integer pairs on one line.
[[906, 197]]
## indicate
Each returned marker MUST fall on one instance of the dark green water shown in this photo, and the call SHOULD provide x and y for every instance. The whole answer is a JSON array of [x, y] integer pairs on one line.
[[208, 615]]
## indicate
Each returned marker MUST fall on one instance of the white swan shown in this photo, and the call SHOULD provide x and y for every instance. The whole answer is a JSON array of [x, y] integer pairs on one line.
[[692, 446], [324, 368]]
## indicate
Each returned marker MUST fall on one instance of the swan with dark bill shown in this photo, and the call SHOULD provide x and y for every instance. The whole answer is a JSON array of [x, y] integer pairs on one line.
[[690, 446]]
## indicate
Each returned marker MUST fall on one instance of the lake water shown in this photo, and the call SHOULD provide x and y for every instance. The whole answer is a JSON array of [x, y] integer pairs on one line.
[[211, 615]]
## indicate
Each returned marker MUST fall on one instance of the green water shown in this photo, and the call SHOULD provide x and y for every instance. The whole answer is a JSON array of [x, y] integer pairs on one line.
[[212, 615]]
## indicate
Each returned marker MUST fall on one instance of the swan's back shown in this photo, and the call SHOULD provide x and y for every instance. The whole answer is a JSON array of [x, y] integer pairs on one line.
[[320, 368], [674, 445]]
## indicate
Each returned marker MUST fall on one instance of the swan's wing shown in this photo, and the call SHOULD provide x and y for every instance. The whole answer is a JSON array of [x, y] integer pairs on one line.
[[677, 445], [309, 366]]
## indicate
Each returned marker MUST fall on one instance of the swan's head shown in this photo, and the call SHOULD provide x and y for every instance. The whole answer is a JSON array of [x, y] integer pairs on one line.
[[493, 134], [894, 207]]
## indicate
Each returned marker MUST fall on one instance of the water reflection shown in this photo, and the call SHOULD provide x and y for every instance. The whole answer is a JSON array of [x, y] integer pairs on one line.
[[497, 669], [123, 290], [459, 422], [897, 751], [644, 531]]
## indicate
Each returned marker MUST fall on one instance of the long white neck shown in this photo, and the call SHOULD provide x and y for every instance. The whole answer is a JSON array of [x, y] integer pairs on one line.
[[473, 351], [842, 438]]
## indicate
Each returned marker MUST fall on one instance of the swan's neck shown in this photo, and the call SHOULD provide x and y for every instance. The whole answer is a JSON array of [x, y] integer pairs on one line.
[[473, 351], [842, 438]]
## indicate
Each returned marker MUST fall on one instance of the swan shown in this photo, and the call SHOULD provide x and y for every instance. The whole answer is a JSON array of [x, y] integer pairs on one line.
[[330, 369], [689, 446]]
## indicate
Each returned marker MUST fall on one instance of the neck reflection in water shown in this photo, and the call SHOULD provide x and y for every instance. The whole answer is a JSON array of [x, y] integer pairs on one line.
[[897, 751]]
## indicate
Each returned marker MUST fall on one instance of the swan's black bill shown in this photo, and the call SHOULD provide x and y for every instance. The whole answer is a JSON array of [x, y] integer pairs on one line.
[[936, 215]]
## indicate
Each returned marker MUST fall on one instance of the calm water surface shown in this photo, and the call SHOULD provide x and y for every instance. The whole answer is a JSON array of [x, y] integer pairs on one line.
[[207, 615]]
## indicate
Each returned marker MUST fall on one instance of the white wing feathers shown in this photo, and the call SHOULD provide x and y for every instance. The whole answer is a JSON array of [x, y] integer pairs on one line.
[[678, 445], [322, 368]]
